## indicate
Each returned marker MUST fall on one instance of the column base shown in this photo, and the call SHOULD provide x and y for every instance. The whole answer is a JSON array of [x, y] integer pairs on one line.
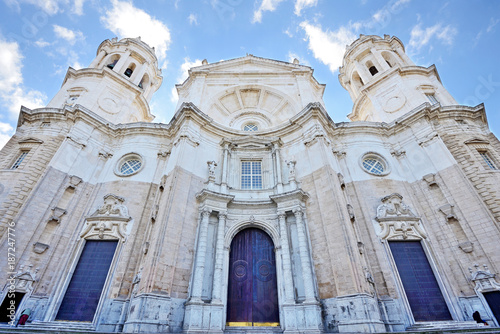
[[201, 317], [302, 318]]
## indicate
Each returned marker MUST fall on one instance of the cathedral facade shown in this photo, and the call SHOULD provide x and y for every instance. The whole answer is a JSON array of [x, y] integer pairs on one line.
[[251, 208]]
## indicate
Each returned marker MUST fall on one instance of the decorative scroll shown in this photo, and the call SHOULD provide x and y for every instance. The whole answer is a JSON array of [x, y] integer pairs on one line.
[[397, 220], [108, 221]]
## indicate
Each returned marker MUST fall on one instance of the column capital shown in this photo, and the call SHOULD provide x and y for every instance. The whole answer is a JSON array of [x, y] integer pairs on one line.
[[205, 212], [298, 212], [222, 215], [281, 214]]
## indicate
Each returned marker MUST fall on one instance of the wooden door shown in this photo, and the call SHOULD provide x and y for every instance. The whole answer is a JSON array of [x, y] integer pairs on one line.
[[252, 293]]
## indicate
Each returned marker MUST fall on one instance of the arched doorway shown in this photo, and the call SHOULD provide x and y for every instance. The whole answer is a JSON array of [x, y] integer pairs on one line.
[[252, 298]]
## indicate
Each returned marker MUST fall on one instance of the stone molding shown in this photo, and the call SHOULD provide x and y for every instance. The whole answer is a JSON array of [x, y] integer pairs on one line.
[[483, 280]]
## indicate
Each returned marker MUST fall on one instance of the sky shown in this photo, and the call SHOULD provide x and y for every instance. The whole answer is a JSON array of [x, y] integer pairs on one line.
[[41, 39]]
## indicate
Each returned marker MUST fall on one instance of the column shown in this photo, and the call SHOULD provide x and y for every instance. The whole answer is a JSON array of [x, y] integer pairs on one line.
[[225, 167], [138, 73], [287, 264], [200, 255], [304, 256], [119, 67], [219, 257], [97, 59], [278, 167]]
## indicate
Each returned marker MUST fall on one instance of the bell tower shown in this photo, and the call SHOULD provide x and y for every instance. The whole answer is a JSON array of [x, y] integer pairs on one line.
[[383, 81], [118, 84]]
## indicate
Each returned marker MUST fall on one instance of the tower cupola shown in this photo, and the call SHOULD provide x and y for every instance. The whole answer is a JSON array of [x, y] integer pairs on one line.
[[383, 81], [118, 84]]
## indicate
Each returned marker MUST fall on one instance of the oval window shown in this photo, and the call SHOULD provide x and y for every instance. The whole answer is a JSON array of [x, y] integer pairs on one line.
[[374, 164]]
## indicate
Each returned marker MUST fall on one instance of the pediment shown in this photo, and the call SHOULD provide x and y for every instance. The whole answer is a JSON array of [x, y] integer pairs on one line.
[[250, 143], [251, 64], [476, 141]]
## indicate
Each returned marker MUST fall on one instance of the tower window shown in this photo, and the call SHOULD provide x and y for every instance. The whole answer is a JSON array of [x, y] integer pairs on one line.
[[128, 72], [373, 70], [388, 63], [432, 98], [112, 65], [19, 160], [489, 161], [251, 175]]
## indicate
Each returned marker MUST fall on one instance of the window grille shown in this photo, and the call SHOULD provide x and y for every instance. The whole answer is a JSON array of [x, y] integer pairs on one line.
[[251, 175], [19, 160], [488, 160], [250, 127]]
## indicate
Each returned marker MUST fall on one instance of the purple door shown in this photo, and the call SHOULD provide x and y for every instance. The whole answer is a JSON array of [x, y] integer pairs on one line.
[[252, 293]]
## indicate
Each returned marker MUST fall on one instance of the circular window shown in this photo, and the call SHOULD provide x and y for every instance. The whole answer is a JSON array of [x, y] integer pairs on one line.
[[251, 127], [129, 164], [374, 164]]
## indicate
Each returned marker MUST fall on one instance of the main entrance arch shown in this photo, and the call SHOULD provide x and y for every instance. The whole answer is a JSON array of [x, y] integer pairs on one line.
[[252, 298]]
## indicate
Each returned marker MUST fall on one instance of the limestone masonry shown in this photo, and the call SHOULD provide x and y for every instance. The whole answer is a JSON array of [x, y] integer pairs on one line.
[[251, 208]]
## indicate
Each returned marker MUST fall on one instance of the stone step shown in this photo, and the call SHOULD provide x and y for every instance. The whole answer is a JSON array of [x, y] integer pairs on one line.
[[253, 330]]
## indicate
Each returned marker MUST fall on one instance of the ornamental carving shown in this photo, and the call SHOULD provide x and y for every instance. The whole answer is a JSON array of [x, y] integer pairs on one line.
[[484, 280], [109, 220], [24, 279], [397, 220]]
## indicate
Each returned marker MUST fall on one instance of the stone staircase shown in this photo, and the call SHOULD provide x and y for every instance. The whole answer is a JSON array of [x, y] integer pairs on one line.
[[419, 329]]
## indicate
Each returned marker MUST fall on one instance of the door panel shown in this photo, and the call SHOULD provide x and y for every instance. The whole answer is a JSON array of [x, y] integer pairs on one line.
[[493, 299], [252, 294], [85, 288], [421, 287]]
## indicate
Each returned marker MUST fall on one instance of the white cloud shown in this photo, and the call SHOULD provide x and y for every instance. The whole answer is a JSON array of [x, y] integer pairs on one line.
[[421, 37], [492, 24], [6, 131], [41, 43], [126, 20], [12, 92], [328, 46], [67, 34], [265, 5], [183, 75], [193, 19], [51, 7], [301, 4], [78, 7]]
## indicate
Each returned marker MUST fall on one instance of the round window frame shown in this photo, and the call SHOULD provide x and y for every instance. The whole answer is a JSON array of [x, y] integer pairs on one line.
[[380, 158], [126, 157]]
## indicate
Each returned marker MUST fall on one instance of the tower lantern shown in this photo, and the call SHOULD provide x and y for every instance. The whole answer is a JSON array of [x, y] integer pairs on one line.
[[118, 84], [383, 81]]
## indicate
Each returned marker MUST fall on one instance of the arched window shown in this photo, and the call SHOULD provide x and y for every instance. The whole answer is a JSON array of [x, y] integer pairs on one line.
[[144, 81], [373, 70], [357, 81], [130, 69], [112, 61], [389, 58]]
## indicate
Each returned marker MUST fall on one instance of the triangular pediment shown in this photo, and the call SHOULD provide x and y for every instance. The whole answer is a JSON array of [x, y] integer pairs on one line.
[[251, 64]]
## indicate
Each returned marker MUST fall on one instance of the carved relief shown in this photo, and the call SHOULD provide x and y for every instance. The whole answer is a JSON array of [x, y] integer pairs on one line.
[[24, 279], [397, 220], [108, 221], [484, 280], [211, 170]]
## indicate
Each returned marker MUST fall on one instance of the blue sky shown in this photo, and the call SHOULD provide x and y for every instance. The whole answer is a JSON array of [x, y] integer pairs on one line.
[[40, 39]]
